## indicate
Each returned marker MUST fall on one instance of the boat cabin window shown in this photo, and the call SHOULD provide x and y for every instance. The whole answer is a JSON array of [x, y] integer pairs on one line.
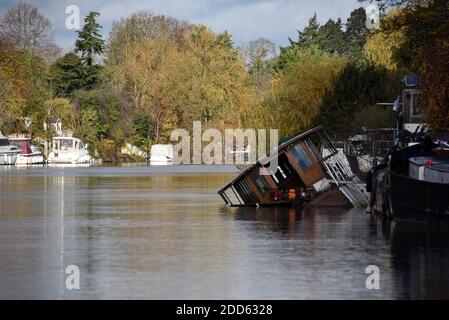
[[4, 142], [415, 110], [285, 170], [260, 181], [232, 196], [66, 144], [301, 157], [245, 192]]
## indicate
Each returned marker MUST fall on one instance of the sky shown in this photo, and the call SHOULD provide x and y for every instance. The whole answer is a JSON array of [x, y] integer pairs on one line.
[[246, 20]]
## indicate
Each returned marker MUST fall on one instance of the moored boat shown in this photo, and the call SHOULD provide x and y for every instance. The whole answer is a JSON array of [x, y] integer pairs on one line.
[[69, 150], [161, 154], [8, 152], [29, 154], [412, 184]]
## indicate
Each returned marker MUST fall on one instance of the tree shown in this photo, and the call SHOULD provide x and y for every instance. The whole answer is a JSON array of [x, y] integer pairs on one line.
[[139, 26], [24, 27], [61, 108], [356, 33], [306, 39], [331, 38], [259, 55], [382, 47], [298, 92], [89, 41], [340, 105], [67, 75], [423, 28], [23, 90], [308, 36], [100, 121]]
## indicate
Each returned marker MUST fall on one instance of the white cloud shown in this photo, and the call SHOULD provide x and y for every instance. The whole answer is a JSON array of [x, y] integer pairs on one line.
[[244, 19]]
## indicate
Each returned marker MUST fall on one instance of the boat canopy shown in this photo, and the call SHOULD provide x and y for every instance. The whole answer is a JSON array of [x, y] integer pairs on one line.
[[23, 144]]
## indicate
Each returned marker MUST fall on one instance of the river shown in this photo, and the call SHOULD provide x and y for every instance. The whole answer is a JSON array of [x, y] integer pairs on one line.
[[138, 232]]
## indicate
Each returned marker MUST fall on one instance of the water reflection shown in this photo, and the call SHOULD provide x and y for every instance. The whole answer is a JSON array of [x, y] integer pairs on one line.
[[420, 257], [144, 234]]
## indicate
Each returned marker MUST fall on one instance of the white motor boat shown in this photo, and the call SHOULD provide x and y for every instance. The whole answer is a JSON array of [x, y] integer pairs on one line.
[[162, 154], [69, 150], [8, 152], [29, 154]]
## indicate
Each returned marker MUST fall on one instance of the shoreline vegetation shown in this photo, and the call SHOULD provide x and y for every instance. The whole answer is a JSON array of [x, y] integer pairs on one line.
[[153, 74]]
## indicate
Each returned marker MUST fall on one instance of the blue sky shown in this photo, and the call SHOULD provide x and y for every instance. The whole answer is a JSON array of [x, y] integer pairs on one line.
[[246, 20]]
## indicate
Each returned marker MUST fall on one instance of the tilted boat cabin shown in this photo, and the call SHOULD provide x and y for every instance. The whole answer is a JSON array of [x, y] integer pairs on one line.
[[309, 169]]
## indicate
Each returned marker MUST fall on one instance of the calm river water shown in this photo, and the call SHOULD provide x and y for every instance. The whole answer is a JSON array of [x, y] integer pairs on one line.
[[163, 233]]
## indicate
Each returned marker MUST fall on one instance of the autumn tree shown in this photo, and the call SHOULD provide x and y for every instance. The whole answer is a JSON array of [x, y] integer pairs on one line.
[[421, 27], [24, 27], [139, 26], [298, 93], [259, 56], [22, 78]]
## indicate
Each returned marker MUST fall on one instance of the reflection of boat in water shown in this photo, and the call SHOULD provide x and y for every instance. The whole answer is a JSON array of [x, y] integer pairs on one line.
[[8, 152], [69, 150], [29, 154], [162, 154], [420, 259], [304, 176]]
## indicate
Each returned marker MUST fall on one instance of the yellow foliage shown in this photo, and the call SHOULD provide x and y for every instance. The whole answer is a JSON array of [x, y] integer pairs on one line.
[[381, 46], [298, 92]]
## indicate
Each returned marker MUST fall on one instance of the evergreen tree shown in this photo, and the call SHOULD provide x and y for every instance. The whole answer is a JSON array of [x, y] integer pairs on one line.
[[306, 39], [309, 35], [356, 33], [67, 74], [331, 37], [89, 40]]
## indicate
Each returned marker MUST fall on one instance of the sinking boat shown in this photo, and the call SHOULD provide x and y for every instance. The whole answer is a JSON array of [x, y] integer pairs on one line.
[[29, 154], [310, 171]]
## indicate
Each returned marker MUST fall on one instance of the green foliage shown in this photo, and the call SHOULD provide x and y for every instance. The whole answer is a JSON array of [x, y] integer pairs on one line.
[[61, 108], [330, 38], [99, 118], [90, 130], [68, 74], [143, 130], [72, 72], [374, 117], [298, 93], [355, 89], [89, 41], [356, 34], [23, 91], [309, 35]]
